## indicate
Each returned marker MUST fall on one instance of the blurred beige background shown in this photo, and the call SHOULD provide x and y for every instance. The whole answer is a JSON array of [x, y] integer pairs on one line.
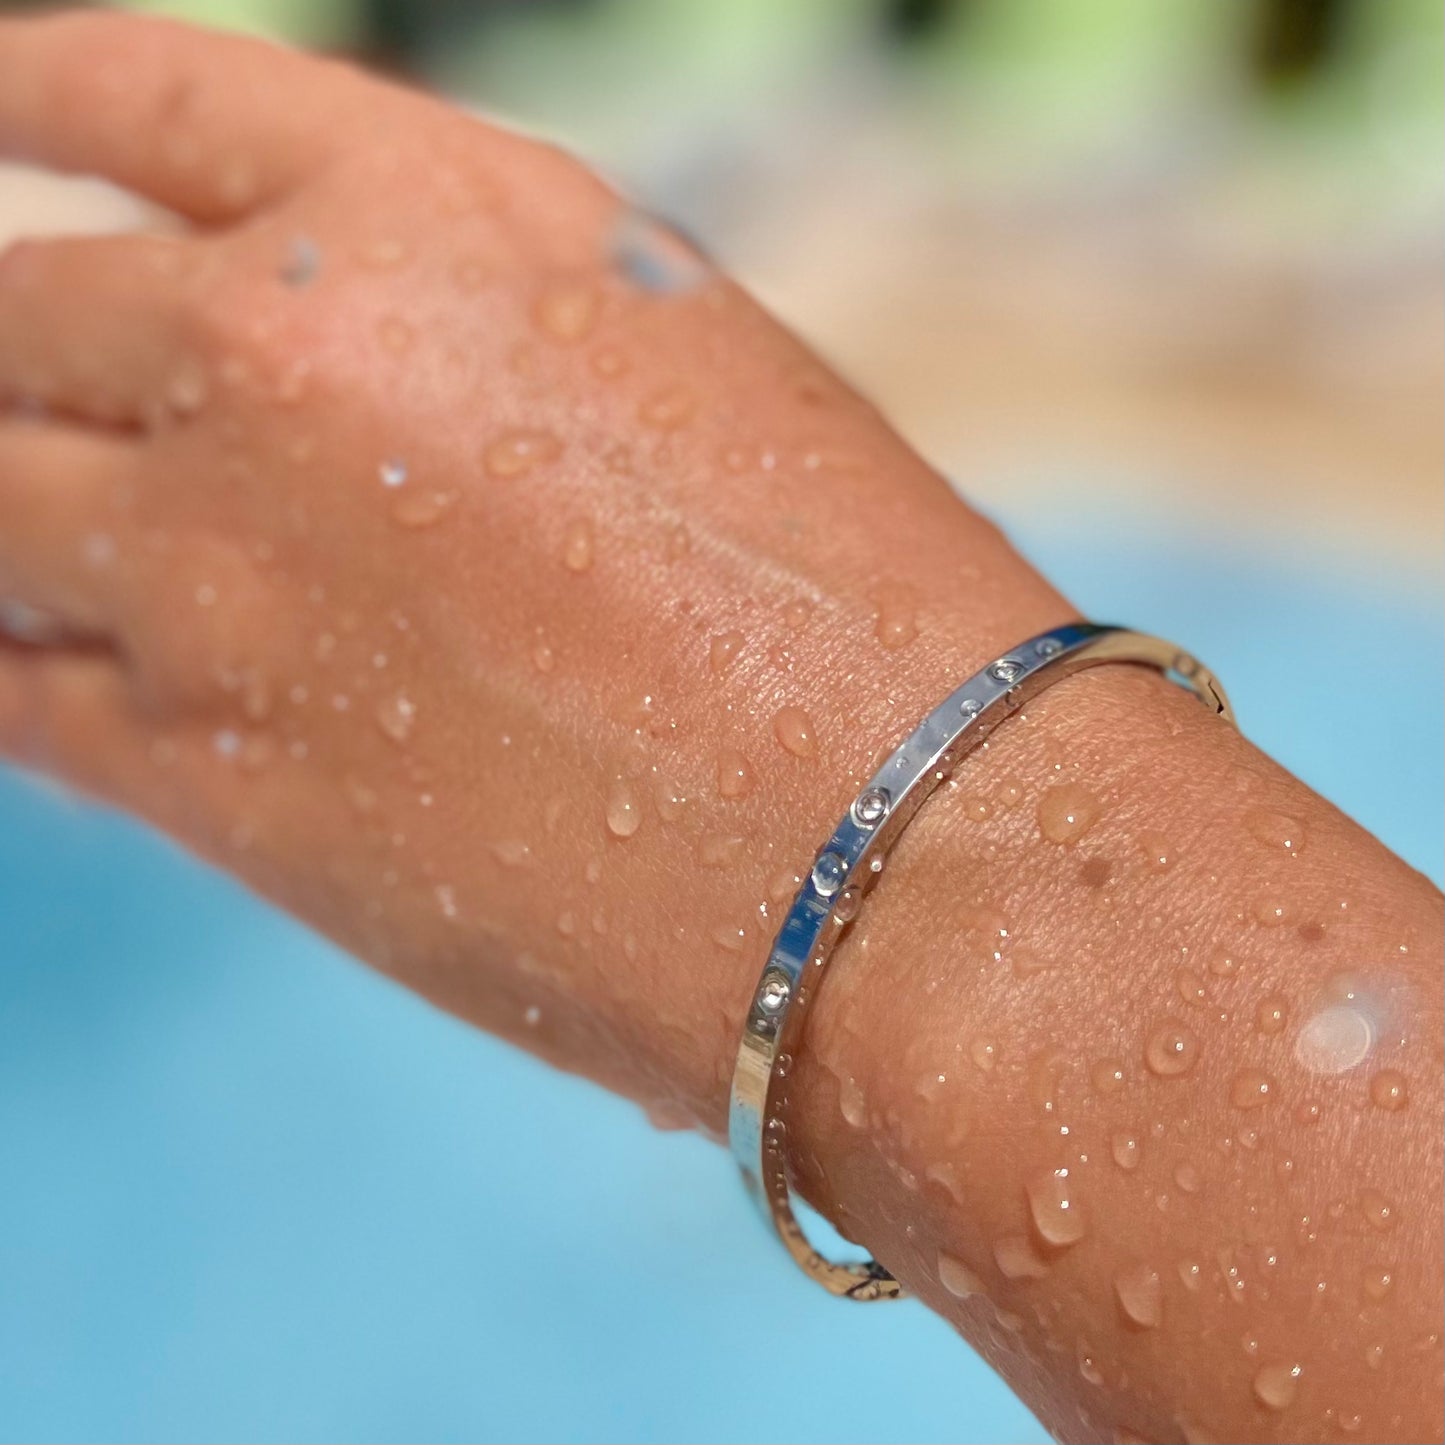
[[1178, 257]]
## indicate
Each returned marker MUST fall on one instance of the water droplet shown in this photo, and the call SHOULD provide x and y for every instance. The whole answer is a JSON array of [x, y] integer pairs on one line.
[[793, 728], [1127, 1150], [1334, 1040], [828, 873], [395, 716], [1223, 963], [532, 1016], [392, 472], [566, 310], [1191, 1273], [1276, 830], [734, 774], [1067, 812], [1271, 1015], [796, 614], [418, 509], [1107, 1075], [226, 743], [895, 623], [1374, 1356], [983, 1052], [1389, 1090], [1270, 911], [1171, 1050], [723, 649], [516, 453], [577, 545], [446, 898], [1277, 1385], [957, 1278], [1055, 1208], [1190, 987], [654, 257], [624, 813], [186, 389], [1186, 1176], [1379, 1212], [1159, 856], [1017, 1258], [851, 1102], [302, 263], [512, 853], [1377, 1282], [1141, 1294], [721, 850], [668, 409], [1250, 1089], [669, 798], [730, 937], [1028, 961], [608, 363], [1088, 1365]]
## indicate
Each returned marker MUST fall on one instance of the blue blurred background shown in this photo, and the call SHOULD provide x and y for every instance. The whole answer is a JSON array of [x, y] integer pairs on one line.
[[1159, 285]]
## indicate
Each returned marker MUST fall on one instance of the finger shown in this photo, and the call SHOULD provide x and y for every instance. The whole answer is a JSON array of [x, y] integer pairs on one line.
[[62, 536], [89, 324], [68, 713], [207, 124]]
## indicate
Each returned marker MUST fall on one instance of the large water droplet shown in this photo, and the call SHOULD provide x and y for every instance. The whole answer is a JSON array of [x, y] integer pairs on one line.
[[793, 728], [895, 623], [1127, 1150], [1335, 1039], [1277, 1385], [1276, 830], [1141, 1294], [723, 649], [1171, 1050], [1055, 1208], [957, 1278], [735, 777], [1379, 1212], [1067, 812], [1017, 1258], [624, 813]]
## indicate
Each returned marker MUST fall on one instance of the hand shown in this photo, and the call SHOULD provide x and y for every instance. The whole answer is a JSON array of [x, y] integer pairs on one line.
[[417, 523]]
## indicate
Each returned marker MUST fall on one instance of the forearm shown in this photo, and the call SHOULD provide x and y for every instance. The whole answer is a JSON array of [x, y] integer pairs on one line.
[[1007, 1003]]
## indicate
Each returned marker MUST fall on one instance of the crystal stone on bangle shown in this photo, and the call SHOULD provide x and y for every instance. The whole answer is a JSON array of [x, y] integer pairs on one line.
[[870, 808], [774, 993], [829, 872]]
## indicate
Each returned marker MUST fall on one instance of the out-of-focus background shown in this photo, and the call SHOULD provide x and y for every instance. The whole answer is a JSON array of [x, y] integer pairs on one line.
[[1159, 285]]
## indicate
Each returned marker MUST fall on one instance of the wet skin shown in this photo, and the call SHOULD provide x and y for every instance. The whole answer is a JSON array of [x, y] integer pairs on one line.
[[429, 540]]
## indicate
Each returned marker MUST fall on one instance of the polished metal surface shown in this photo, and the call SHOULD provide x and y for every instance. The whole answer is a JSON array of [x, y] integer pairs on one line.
[[848, 865]]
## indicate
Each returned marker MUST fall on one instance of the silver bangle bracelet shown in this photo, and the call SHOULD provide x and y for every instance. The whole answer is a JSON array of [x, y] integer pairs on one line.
[[846, 868]]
